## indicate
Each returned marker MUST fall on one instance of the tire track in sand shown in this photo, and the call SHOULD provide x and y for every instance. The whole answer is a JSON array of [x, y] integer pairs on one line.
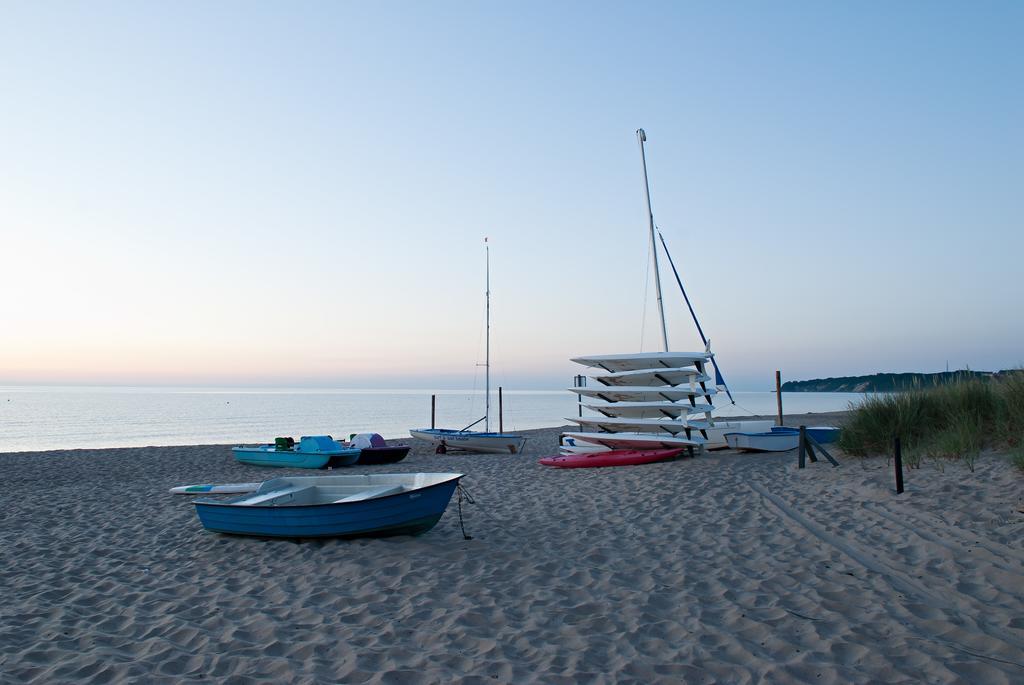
[[896, 579]]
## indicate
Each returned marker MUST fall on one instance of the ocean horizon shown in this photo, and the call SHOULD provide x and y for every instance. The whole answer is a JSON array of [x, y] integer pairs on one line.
[[41, 418]]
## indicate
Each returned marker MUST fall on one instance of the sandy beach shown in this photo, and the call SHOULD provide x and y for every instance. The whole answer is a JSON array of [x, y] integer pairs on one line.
[[725, 568]]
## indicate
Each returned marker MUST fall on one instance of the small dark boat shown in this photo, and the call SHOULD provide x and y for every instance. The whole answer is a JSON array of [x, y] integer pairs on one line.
[[375, 450]]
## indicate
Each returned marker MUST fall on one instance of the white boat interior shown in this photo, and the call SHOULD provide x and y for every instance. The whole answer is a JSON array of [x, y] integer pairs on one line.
[[307, 490]]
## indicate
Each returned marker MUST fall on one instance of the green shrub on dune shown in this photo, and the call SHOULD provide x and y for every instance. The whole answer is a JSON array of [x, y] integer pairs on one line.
[[1013, 408], [957, 420]]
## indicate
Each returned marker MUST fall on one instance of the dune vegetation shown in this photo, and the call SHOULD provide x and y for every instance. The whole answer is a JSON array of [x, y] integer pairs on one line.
[[953, 421]]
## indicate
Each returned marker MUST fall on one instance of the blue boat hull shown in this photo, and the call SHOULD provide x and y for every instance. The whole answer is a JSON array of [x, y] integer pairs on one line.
[[269, 456], [820, 434], [407, 513]]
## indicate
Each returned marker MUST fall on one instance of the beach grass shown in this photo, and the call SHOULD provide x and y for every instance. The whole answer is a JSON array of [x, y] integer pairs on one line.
[[1017, 457], [957, 420]]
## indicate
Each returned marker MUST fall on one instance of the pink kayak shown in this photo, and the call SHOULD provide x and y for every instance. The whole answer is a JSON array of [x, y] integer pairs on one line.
[[610, 458]]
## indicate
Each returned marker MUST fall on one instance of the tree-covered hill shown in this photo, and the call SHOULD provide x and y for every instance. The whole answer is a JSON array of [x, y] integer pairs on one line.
[[889, 382]]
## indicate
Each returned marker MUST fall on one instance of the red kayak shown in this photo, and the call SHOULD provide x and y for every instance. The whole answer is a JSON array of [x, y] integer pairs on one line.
[[610, 458]]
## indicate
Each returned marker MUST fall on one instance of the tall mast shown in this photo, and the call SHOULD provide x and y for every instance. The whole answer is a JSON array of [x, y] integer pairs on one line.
[[487, 363], [641, 137]]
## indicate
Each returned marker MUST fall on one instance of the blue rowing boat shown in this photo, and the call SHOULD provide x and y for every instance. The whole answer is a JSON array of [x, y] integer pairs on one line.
[[312, 452], [820, 434], [379, 504], [779, 438]]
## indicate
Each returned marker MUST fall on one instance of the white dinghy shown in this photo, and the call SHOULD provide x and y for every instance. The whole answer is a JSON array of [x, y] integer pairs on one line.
[[466, 440], [767, 441]]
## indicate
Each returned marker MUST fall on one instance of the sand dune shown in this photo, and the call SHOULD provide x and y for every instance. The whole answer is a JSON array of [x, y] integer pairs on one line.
[[724, 568]]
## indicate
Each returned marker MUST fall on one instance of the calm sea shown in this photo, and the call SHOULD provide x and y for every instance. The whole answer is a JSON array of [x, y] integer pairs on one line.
[[46, 418]]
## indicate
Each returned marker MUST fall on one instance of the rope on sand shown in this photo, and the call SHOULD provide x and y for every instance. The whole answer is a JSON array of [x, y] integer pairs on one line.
[[463, 492]]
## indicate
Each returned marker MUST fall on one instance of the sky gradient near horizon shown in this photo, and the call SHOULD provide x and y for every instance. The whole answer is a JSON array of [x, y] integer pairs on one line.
[[265, 193]]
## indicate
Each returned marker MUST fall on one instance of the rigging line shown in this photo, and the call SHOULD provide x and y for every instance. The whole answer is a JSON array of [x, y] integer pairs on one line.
[[720, 379], [751, 412], [472, 399]]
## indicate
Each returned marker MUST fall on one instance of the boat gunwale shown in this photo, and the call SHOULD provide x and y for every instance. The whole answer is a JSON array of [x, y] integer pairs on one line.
[[234, 502]]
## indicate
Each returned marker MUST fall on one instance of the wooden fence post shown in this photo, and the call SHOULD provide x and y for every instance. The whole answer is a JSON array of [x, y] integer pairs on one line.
[[501, 428], [778, 394], [899, 465], [803, 446], [433, 408], [578, 382]]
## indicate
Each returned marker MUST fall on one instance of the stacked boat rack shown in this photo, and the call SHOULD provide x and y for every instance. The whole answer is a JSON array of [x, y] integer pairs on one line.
[[652, 400], [649, 400]]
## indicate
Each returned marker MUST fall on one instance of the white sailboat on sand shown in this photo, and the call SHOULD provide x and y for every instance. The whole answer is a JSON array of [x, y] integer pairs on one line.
[[652, 399], [476, 441]]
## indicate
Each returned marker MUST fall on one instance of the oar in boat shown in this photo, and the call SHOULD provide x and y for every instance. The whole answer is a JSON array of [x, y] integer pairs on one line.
[[213, 489]]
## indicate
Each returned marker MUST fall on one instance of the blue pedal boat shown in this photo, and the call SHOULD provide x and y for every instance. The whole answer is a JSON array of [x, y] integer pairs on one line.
[[379, 504], [312, 452]]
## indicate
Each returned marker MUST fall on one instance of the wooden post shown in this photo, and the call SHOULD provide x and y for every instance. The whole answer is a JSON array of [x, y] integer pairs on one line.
[[815, 446], [501, 428], [899, 465], [803, 443], [809, 441], [578, 382], [778, 394], [433, 408]]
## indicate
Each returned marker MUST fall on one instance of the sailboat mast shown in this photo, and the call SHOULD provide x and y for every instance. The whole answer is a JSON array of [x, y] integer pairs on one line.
[[641, 137], [487, 362]]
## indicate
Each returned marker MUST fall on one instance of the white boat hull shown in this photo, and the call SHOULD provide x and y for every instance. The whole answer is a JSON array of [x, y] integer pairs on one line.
[[616, 425], [655, 377], [763, 442], [716, 434], [627, 441], [614, 363], [642, 394], [472, 441], [573, 446], [649, 410]]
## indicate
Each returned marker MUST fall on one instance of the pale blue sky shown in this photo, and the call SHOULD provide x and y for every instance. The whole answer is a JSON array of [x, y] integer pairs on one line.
[[290, 193]]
